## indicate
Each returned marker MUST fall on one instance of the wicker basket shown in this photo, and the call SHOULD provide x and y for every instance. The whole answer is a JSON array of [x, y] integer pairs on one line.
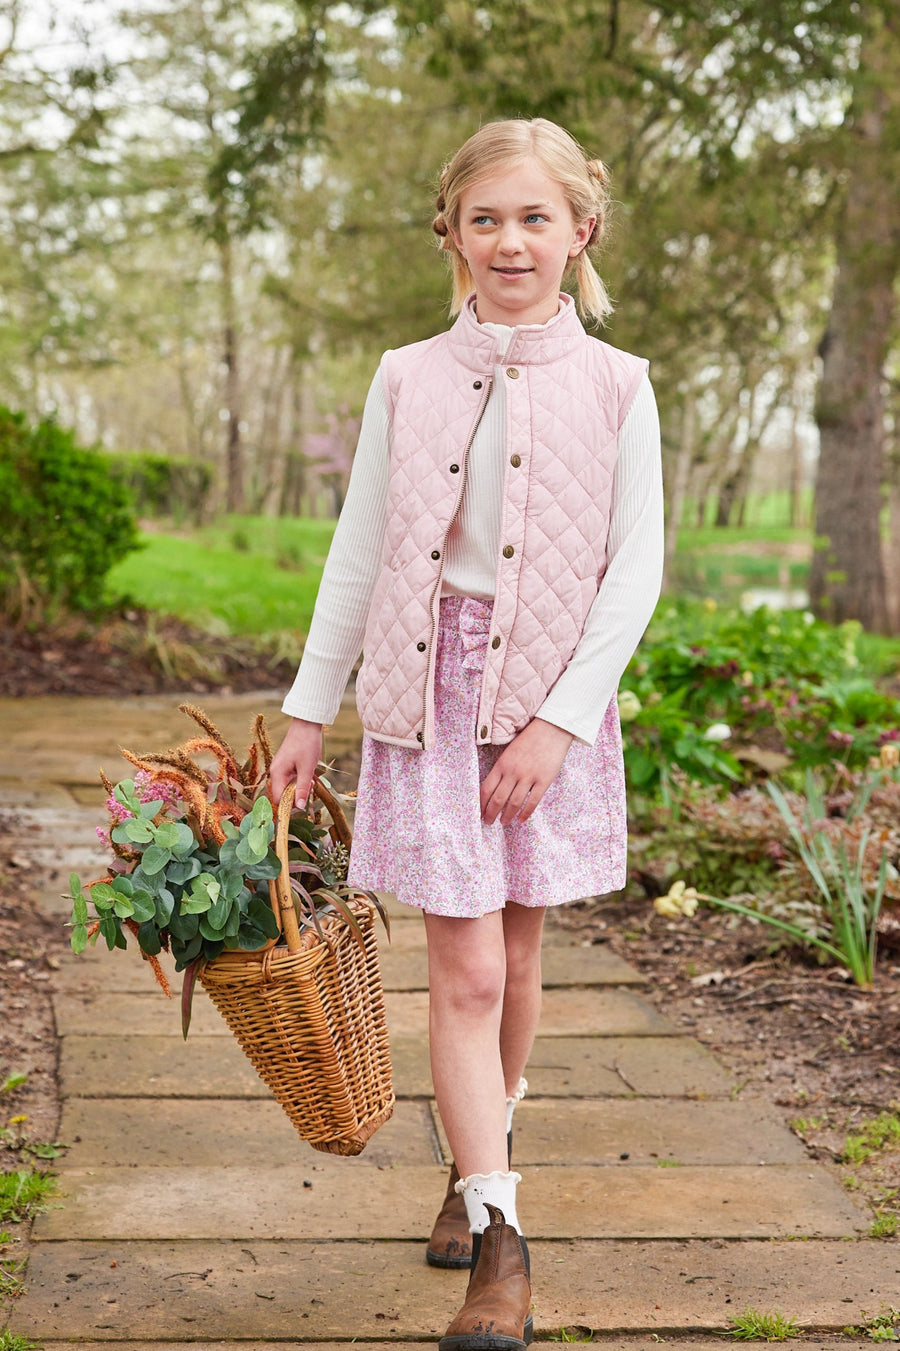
[[309, 1015]]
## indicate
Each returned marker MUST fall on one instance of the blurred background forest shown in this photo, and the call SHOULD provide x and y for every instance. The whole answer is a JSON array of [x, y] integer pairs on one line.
[[215, 217]]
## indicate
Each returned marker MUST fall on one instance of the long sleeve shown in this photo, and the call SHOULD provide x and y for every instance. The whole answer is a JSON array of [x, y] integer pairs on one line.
[[336, 633], [631, 585]]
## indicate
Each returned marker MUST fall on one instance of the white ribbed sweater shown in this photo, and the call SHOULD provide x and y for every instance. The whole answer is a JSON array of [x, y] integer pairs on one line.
[[616, 621]]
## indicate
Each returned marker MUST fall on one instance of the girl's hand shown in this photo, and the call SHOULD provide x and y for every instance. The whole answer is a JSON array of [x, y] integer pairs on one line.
[[296, 759], [524, 769]]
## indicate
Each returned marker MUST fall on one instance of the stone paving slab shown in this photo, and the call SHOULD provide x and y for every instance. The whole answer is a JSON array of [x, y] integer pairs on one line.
[[357, 1201], [624, 1133], [215, 1067], [615, 1344], [309, 1291], [153, 1132], [565, 1012], [563, 965]]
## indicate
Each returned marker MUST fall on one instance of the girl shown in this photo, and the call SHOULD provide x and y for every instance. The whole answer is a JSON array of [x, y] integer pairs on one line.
[[497, 560]]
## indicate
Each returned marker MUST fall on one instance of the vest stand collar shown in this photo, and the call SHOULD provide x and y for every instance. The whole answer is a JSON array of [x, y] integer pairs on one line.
[[477, 347]]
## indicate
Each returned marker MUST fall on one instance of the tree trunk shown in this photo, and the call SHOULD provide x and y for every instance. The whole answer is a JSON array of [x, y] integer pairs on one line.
[[234, 448], [847, 579]]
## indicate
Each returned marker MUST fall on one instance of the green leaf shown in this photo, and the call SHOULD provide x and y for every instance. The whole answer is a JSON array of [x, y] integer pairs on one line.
[[104, 893], [260, 914], [167, 836], [183, 927], [186, 842], [79, 900], [143, 906], [138, 832], [123, 885], [155, 859], [79, 938], [124, 791], [109, 928], [262, 811], [164, 904], [229, 829], [267, 868], [148, 939], [149, 809], [123, 907], [180, 871], [185, 953]]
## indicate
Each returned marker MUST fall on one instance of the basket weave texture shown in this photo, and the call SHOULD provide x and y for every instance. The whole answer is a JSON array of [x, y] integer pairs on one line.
[[310, 1017]]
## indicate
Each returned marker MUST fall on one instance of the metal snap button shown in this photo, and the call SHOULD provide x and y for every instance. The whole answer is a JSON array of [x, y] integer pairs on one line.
[[508, 551], [419, 736], [512, 372], [477, 384], [454, 469], [495, 643], [515, 461], [420, 647], [435, 554]]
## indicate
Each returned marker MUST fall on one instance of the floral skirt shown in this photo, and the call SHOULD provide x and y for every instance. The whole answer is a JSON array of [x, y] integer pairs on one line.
[[418, 830]]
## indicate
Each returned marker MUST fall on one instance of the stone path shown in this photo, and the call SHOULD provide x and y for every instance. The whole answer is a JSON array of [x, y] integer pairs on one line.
[[656, 1202]]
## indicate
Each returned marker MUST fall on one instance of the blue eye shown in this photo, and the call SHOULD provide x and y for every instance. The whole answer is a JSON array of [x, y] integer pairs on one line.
[[535, 216], [481, 220]]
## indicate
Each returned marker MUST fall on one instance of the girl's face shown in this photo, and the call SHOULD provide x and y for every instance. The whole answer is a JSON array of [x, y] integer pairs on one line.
[[517, 234]]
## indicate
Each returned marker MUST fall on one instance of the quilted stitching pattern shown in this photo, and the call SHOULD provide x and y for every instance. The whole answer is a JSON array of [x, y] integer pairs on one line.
[[563, 415]]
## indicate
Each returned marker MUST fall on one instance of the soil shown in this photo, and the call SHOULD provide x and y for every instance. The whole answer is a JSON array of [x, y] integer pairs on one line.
[[135, 652]]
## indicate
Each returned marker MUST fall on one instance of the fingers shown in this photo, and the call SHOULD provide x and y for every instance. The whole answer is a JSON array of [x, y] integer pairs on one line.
[[295, 761]]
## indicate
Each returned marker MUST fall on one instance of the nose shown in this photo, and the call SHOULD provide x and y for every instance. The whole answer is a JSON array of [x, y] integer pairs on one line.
[[510, 238]]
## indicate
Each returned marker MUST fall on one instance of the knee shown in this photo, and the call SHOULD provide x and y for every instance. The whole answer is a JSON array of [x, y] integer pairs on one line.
[[473, 984]]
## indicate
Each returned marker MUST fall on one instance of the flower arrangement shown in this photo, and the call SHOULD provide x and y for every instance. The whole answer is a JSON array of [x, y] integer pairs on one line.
[[193, 858]]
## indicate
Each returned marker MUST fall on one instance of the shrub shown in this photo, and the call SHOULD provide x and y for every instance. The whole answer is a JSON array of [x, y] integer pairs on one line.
[[162, 485], [65, 519], [716, 687]]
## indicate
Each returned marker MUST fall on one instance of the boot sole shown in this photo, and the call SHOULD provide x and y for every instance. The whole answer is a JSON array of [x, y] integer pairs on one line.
[[488, 1341], [437, 1259], [481, 1341]]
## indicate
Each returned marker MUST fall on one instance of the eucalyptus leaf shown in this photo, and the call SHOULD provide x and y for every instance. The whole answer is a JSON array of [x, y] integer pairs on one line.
[[184, 927], [167, 836], [138, 832], [150, 809], [79, 901], [123, 907], [79, 938], [109, 929], [154, 859], [164, 904], [149, 939], [143, 906], [180, 871], [186, 841]]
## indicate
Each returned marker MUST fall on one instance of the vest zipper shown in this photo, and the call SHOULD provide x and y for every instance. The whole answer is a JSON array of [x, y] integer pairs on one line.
[[488, 386]]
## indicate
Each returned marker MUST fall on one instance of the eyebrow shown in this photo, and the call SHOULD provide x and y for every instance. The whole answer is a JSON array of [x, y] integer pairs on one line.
[[535, 206]]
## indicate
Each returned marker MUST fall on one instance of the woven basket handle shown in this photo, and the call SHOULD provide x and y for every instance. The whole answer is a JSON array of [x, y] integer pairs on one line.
[[280, 890]]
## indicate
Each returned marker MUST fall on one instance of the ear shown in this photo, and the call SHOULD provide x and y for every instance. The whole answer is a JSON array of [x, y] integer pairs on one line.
[[455, 236], [583, 233]]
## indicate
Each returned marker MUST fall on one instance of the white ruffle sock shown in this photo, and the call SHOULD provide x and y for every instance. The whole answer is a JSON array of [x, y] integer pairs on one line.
[[498, 1188], [511, 1102]]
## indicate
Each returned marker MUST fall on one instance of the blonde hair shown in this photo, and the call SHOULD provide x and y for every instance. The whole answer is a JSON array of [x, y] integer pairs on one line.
[[502, 145]]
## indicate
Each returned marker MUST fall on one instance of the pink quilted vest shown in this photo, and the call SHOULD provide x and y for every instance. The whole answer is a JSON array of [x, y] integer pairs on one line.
[[566, 398]]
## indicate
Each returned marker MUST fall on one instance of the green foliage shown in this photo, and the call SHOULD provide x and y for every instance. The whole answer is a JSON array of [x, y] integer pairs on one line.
[[871, 1137], [23, 1193], [884, 1226], [12, 1082], [768, 675], [64, 519], [9, 1341], [196, 896], [753, 1326], [165, 485], [851, 903]]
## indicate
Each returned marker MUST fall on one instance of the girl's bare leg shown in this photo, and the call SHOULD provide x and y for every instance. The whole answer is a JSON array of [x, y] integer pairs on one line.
[[523, 928], [466, 981]]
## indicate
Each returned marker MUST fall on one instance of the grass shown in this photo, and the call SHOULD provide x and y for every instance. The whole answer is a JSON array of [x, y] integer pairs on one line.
[[884, 1226], [878, 1133], [10, 1342], [250, 575], [753, 1326], [23, 1193]]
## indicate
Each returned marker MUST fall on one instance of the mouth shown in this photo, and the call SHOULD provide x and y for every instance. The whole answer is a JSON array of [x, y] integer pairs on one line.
[[512, 271]]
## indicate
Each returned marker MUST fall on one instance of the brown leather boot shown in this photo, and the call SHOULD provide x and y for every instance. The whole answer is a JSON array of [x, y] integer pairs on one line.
[[450, 1244], [496, 1314]]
